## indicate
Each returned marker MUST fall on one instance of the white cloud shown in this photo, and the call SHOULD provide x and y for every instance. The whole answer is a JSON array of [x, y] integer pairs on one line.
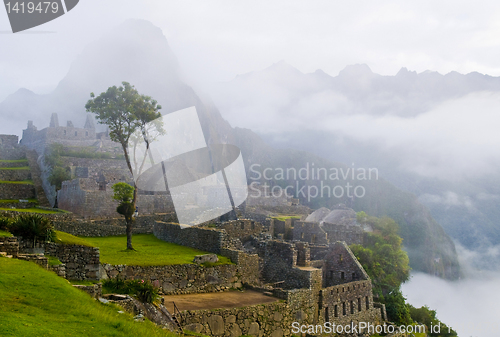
[[469, 306]]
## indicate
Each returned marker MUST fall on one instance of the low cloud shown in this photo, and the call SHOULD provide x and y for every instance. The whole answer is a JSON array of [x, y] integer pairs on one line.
[[449, 199], [469, 306]]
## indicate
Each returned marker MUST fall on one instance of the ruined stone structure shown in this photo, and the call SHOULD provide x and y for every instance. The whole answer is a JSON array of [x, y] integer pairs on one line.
[[38, 139], [324, 226], [318, 283]]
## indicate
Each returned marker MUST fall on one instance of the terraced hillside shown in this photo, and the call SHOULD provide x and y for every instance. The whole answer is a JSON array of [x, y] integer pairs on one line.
[[17, 188]]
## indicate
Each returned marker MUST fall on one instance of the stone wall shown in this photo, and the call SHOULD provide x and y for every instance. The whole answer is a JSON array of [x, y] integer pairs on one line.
[[8, 141], [17, 191], [283, 227], [82, 263], [95, 290], [346, 303], [109, 227], [207, 239], [12, 175], [181, 279], [39, 259], [91, 203], [241, 229], [9, 245], [247, 264], [14, 152], [352, 234], [271, 319], [309, 232]]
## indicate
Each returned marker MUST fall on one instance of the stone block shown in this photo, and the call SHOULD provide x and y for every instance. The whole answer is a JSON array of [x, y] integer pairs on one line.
[[212, 258], [216, 324]]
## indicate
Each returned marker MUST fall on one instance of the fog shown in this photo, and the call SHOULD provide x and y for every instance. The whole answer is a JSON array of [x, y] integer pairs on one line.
[[218, 39]]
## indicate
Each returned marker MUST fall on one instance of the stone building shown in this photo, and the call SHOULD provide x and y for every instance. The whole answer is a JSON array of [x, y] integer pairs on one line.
[[324, 226]]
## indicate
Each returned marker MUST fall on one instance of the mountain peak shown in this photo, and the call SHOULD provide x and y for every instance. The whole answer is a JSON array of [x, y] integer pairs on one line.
[[356, 70]]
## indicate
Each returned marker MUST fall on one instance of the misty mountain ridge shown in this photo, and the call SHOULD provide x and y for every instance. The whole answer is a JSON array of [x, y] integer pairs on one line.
[[427, 133], [138, 52]]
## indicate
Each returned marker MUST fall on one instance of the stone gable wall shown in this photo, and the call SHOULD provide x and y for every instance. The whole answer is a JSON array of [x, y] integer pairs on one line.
[[341, 266]]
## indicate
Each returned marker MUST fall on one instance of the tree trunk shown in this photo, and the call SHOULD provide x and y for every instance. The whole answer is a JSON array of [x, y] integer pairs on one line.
[[130, 220]]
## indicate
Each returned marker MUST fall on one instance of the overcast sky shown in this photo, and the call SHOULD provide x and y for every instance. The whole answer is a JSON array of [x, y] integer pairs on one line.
[[216, 40]]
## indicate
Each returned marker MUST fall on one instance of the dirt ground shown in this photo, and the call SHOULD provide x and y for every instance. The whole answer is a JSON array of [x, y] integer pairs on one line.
[[228, 299]]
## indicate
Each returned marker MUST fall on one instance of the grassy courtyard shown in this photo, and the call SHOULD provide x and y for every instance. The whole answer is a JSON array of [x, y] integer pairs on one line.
[[149, 251], [36, 302]]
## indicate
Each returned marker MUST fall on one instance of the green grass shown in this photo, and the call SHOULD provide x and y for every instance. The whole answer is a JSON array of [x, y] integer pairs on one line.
[[15, 168], [68, 239], [53, 261], [32, 210], [284, 217], [20, 182], [149, 251], [4, 234], [16, 201], [20, 161], [36, 302]]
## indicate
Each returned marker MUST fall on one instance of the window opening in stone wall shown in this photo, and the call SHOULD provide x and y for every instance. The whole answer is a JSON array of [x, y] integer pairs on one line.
[[327, 317], [352, 307], [359, 304], [367, 303], [302, 235], [353, 276], [342, 276], [340, 258], [343, 309], [242, 225], [336, 311]]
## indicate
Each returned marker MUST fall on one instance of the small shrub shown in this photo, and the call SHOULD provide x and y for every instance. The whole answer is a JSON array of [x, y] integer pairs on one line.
[[143, 290], [5, 223], [33, 227]]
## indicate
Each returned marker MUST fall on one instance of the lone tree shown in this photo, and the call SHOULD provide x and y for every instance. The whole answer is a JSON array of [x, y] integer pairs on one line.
[[128, 116]]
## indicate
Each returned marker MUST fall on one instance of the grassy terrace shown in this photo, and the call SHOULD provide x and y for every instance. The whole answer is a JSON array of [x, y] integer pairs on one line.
[[33, 210], [284, 217], [36, 302], [19, 161], [149, 251], [22, 182], [15, 168], [16, 201]]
